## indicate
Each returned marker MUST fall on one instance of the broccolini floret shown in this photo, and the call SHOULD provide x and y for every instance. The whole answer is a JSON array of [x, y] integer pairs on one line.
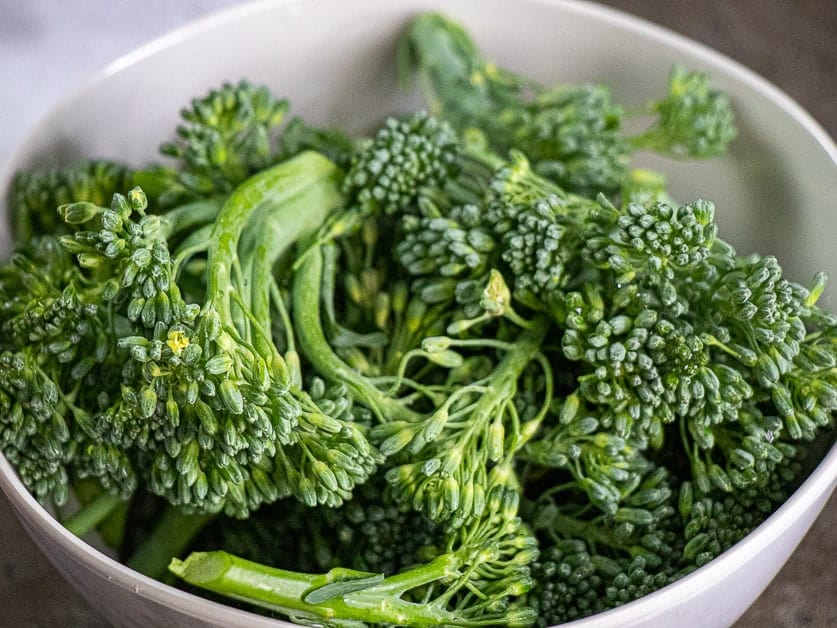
[[386, 172], [572, 134], [694, 119], [206, 413], [226, 136], [35, 195]]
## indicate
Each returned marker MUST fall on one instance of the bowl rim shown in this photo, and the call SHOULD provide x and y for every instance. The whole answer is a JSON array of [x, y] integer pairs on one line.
[[817, 486]]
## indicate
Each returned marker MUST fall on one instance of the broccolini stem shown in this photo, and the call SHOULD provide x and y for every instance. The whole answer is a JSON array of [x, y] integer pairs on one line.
[[504, 378], [341, 597], [195, 242], [475, 145], [261, 219], [522, 351], [194, 218], [94, 513], [258, 274], [312, 341], [574, 528], [170, 538], [289, 184], [190, 216], [271, 233]]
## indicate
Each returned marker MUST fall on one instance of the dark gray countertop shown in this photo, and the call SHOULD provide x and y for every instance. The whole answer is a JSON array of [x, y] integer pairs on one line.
[[46, 46]]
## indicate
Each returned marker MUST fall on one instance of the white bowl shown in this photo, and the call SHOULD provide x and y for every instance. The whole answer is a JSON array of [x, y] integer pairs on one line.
[[334, 60]]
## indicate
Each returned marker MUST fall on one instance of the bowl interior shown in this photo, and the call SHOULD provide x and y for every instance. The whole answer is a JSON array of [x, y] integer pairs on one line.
[[335, 62]]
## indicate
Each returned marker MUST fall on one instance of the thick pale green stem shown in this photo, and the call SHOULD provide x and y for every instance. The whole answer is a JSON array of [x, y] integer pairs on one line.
[[275, 229], [295, 185], [341, 597]]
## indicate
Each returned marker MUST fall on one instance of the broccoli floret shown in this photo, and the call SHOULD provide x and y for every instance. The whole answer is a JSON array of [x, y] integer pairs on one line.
[[54, 347], [387, 171], [33, 432], [198, 401], [694, 120], [591, 561], [234, 430], [759, 311], [533, 239], [226, 136], [35, 195], [447, 467], [572, 134], [455, 245], [656, 240], [523, 228], [806, 396]]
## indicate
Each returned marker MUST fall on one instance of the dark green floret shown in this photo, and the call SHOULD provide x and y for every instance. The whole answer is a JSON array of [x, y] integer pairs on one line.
[[35, 195], [387, 171]]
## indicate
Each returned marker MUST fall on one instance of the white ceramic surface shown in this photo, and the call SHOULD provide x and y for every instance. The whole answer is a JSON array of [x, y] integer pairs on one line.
[[334, 60]]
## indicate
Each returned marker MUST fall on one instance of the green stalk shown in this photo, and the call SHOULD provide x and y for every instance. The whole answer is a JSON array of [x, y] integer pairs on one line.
[[275, 229], [91, 515], [257, 268], [190, 216], [289, 184], [339, 597], [514, 361], [312, 340], [503, 380], [196, 240], [170, 538]]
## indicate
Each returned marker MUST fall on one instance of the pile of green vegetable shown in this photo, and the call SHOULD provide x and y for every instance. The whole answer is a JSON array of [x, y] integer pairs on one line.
[[473, 370]]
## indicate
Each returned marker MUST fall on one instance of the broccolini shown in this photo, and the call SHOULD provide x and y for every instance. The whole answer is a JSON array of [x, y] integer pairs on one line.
[[470, 370]]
